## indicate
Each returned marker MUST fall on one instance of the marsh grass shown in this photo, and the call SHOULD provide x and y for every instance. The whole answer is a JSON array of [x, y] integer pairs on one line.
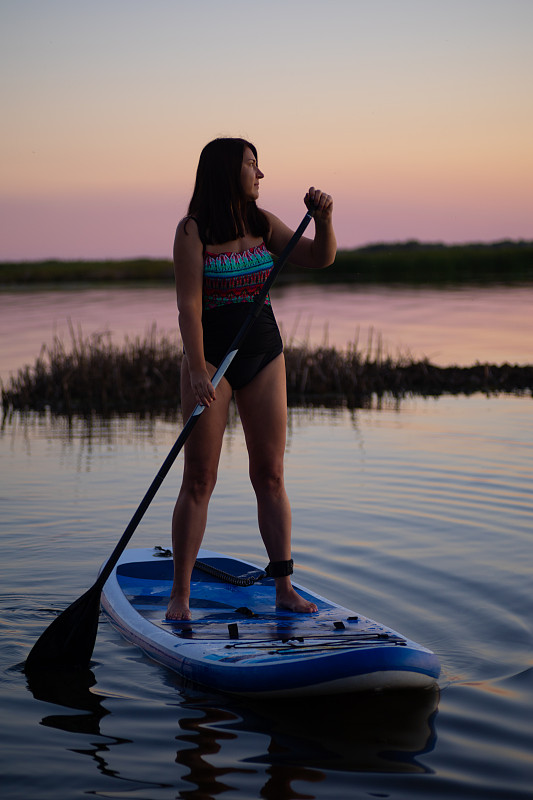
[[94, 375]]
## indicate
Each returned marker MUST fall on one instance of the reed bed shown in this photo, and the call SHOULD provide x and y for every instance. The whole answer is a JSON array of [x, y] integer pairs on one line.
[[94, 375]]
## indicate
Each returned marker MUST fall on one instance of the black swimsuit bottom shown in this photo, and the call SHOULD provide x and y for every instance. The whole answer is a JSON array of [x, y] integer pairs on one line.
[[261, 345]]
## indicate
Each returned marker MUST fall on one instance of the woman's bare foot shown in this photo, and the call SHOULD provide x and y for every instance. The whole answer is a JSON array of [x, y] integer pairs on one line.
[[178, 609], [289, 599]]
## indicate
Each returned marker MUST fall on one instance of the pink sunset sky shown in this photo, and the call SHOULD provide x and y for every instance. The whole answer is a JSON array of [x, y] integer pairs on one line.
[[416, 115]]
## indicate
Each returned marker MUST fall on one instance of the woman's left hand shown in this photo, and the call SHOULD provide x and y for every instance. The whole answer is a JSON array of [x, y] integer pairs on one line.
[[320, 203]]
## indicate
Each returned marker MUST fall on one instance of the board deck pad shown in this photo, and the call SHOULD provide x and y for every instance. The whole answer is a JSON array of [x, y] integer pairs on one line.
[[215, 605]]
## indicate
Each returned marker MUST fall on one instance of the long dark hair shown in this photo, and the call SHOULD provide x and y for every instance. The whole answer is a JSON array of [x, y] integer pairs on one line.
[[218, 204]]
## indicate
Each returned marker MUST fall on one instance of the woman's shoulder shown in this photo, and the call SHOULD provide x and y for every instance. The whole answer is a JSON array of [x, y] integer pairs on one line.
[[188, 225], [188, 231], [272, 222], [274, 226], [187, 241], [268, 214]]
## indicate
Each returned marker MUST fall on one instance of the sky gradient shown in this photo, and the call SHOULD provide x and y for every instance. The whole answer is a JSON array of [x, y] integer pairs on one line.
[[416, 115]]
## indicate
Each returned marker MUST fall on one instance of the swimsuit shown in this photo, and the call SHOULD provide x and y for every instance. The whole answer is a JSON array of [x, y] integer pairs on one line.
[[230, 284]]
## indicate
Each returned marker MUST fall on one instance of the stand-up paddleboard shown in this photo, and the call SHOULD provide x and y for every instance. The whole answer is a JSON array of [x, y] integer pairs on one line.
[[238, 642]]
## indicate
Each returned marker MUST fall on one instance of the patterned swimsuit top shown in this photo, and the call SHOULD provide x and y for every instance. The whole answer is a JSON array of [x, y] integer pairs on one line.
[[235, 277]]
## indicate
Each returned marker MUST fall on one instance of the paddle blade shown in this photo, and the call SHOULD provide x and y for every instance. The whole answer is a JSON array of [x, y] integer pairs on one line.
[[69, 639]]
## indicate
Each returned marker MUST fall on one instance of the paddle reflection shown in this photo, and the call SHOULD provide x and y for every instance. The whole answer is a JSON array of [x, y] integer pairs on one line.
[[72, 689]]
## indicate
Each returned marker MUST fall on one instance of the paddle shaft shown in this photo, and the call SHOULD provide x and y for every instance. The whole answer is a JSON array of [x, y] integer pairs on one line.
[[70, 638]]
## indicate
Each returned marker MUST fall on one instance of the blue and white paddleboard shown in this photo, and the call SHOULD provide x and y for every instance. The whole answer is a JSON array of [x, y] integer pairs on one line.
[[238, 642]]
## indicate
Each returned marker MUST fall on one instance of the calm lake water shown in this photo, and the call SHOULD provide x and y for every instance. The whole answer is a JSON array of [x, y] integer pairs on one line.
[[419, 516]]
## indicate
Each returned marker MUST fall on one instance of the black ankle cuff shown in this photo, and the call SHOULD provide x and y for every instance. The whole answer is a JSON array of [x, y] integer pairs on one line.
[[280, 569]]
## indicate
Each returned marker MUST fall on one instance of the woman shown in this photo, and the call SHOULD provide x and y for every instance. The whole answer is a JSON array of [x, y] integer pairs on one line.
[[221, 261]]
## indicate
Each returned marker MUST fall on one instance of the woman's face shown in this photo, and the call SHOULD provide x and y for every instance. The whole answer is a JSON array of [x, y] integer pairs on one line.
[[250, 175]]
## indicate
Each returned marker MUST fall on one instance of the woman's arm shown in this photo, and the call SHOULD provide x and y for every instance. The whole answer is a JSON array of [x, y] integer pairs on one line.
[[188, 272], [315, 253]]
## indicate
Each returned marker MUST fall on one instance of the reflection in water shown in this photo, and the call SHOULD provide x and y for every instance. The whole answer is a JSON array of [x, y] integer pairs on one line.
[[71, 688], [379, 732], [83, 437], [356, 733], [206, 738]]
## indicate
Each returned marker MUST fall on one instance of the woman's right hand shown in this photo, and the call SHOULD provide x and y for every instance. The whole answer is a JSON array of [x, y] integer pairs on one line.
[[203, 389]]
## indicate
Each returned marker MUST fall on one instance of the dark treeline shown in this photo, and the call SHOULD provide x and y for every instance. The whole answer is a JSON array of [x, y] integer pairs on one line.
[[413, 262], [96, 376], [409, 262]]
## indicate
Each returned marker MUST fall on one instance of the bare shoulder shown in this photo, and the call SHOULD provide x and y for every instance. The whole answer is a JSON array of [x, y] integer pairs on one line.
[[188, 229], [187, 241], [272, 219], [278, 233]]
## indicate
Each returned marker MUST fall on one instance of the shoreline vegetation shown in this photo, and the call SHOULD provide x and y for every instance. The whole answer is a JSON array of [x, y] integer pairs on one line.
[[96, 376], [410, 262]]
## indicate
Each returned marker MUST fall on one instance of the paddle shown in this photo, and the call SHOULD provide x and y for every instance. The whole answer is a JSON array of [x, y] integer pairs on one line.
[[69, 639]]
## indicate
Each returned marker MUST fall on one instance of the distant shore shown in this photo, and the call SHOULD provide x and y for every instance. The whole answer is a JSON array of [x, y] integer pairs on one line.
[[409, 262]]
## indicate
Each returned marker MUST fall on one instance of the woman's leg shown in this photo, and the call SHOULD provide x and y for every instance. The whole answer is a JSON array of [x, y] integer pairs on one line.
[[202, 453], [262, 405]]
